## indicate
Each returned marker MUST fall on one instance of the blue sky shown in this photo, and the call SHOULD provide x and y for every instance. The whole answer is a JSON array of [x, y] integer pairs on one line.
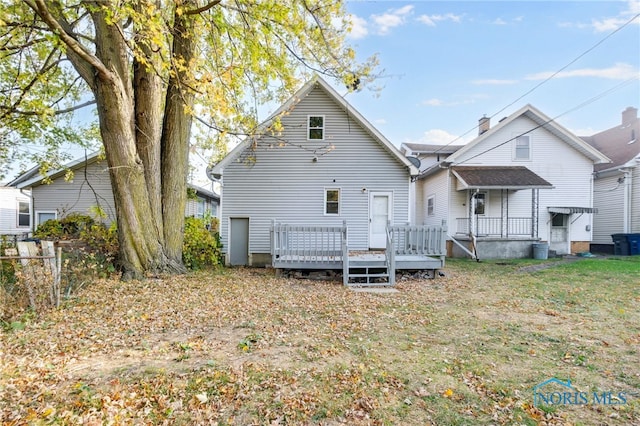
[[445, 64]]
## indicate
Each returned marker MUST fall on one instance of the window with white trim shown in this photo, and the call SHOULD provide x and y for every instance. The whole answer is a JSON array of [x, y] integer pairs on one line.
[[43, 216], [315, 127], [431, 203], [480, 203], [522, 149], [332, 201], [24, 214]]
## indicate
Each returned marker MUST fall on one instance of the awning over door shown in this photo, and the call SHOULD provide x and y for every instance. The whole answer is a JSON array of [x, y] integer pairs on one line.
[[498, 177], [572, 210]]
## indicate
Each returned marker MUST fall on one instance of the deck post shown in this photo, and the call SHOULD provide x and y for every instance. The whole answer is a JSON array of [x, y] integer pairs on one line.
[[345, 254], [273, 242]]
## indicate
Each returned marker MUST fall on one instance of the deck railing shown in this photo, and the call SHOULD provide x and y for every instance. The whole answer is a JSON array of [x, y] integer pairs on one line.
[[419, 240], [311, 244], [494, 226]]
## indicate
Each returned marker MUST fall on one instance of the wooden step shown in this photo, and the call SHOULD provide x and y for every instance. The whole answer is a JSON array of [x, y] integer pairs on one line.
[[385, 275]]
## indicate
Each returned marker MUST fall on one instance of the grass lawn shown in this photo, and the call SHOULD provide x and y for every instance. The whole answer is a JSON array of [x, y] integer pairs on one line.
[[243, 347]]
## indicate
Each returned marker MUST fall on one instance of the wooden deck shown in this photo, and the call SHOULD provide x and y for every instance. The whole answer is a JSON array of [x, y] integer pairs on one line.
[[318, 247]]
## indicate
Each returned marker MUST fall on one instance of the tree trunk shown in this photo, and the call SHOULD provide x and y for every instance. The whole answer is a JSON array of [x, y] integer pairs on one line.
[[176, 133], [129, 124]]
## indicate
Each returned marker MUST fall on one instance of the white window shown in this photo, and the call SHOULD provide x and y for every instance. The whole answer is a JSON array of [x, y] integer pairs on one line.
[[332, 201], [24, 214], [480, 203], [201, 207], [44, 216], [315, 127], [431, 203], [522, 149]]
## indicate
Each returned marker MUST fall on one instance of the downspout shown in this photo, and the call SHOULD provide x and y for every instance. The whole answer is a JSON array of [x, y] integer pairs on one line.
[[628, 181]]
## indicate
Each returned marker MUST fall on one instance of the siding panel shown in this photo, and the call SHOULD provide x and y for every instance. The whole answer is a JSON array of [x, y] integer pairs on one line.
[[608, 198], [279, 178]]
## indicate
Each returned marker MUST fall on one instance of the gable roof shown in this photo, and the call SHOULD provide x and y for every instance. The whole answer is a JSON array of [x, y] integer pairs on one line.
[[500, 177], [33, 177], [541, 120], [317, 82], [620, 143]]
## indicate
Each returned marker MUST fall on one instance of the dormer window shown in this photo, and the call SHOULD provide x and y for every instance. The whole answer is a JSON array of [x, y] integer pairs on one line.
[[522, 149], [315, 127]]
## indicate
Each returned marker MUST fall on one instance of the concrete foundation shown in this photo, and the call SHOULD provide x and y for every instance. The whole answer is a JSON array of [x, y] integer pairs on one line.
[[496, 248]]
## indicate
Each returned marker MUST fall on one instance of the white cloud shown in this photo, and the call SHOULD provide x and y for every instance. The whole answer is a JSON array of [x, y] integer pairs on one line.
[[499, 21], [440, 137], [493, 82], [469, 99], [432, 20], [613, 23], [380, 122], [391, 19], [432, 102], [619, 71], [358, 27]]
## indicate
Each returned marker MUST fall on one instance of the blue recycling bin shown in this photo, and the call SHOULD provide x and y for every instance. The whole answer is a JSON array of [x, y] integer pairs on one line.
[[634, 244]]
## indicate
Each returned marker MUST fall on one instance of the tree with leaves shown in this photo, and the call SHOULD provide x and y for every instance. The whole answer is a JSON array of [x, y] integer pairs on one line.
[[152, 69]]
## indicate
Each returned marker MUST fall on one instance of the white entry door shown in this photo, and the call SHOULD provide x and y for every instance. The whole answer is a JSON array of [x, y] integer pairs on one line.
[[380, 213], [559, 238]]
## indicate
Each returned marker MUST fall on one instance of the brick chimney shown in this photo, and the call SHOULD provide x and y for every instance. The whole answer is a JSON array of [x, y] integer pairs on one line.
[[629, 115], [484, 124]]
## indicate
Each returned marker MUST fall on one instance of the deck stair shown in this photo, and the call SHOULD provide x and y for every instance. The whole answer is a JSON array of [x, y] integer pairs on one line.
[[368, 269]]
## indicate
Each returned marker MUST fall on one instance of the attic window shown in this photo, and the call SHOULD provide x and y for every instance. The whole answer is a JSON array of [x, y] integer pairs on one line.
[[315, 127], [522, 149]]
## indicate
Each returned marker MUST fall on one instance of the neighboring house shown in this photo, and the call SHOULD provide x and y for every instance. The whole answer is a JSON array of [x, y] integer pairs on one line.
[[524, 181], [616, 191], [90, 188], [427, 155], [15, 212], [316, 162]]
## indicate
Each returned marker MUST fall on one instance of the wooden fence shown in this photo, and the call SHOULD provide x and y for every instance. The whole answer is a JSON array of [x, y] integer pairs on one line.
[[41, 268]]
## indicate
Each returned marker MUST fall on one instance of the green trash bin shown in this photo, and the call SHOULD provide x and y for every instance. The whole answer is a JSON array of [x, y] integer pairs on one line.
[[540, 250]]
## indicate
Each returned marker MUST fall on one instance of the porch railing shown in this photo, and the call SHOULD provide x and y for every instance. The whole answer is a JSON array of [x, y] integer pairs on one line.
[[295, 243], [495, 226], [421, 240]]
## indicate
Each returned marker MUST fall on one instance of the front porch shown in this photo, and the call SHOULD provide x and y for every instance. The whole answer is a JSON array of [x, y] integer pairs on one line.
[[326, 247], [496, 227]]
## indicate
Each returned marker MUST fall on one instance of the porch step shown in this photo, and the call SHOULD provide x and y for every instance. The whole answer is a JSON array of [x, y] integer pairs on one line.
[[368, 276]]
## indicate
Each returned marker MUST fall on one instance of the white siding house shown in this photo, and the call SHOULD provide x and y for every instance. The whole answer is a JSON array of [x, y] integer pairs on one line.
[[90, 188], [15, 212], [524, 181], [616, 190], [326, 166]]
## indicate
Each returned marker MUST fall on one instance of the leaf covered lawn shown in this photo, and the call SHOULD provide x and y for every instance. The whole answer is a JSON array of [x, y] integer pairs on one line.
[[244, 347]]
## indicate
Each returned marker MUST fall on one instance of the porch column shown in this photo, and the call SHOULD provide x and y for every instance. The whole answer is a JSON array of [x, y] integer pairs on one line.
[[470, 215], [504, 213], [535, 203]]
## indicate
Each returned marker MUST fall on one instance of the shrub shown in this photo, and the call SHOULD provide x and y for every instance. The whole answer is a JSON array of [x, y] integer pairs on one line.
[[52, 228], [68, 227], [91, 251], [201, 247]]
